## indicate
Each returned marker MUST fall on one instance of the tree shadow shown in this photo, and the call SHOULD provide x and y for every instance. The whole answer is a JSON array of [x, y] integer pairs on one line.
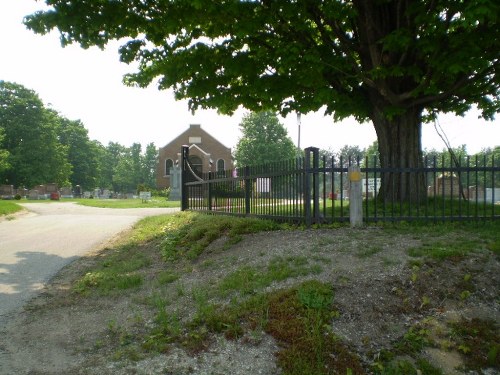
[[21, 281]]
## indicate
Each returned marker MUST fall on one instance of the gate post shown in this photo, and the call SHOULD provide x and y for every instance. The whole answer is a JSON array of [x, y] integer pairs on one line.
[[184, 179]]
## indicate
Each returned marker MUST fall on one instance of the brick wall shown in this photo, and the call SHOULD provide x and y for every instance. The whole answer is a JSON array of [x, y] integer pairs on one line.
[[202, 145]]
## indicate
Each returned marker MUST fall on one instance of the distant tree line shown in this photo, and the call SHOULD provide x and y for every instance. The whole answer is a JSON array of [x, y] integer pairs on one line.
[[39, 145]]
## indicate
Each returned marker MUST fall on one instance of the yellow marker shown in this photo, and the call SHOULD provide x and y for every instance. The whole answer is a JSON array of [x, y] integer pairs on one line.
[[354, 176]]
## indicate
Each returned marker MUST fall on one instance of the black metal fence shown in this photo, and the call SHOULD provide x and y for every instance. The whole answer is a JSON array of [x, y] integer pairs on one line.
[[314, 189]]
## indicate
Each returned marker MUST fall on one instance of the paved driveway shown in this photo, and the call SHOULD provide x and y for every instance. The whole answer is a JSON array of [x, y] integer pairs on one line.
[[36, 245]]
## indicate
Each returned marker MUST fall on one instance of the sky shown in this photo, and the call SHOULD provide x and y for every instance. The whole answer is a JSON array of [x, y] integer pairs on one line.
[[87, 85]]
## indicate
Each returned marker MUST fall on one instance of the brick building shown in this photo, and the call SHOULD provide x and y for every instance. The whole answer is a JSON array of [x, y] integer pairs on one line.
[[205, 154]]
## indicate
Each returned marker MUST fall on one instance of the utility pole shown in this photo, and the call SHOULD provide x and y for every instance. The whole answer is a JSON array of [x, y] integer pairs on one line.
[[298, 126]]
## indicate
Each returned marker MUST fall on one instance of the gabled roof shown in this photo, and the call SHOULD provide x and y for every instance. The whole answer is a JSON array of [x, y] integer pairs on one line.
[[199, 132]]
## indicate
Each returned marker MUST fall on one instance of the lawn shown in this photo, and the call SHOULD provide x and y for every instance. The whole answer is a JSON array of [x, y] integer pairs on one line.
[[9, 207]]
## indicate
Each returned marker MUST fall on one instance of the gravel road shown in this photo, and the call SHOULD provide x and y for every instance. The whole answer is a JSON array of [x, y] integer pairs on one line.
[[36, 244]]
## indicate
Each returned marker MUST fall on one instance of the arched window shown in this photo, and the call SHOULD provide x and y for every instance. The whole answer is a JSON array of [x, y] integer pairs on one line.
[[168, 164], [221, 165]]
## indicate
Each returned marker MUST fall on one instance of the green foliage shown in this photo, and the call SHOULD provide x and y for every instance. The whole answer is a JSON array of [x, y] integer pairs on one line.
[[81, 153], [188, 234], [120, 268], [30, 136], [264, 140], [4, 154], [394, 63], [248, 280], [299, 318], [216, 62], [478, 341]]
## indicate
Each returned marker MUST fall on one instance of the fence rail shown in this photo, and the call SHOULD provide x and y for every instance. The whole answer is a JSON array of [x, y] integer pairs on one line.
[[314, 189]]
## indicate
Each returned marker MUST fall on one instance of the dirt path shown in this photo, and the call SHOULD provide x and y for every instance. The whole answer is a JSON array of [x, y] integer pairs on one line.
[[36, 245]]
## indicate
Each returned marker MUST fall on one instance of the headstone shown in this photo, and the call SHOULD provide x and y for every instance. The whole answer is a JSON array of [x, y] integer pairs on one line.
[[106, 194], [446, 185], [7, 191], [23, 192], [42, 190], [66, 192], [145, 196], [175, 183], [78, 191], [51, 188], [33, 194]]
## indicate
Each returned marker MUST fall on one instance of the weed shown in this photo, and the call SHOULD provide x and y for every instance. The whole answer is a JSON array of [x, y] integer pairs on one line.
[[166, 277], [299, 320], [246, 280], [189, 234], [439, 250], [369, 251], [478, 341], [414, 340]]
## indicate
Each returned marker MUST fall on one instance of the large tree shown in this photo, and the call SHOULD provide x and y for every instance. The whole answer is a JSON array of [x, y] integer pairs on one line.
[[81, 153], [264, 140], [31, 137], [394, 62], [4, 156]]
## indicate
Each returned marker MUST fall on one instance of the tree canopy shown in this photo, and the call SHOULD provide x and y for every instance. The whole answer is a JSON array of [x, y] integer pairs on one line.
[[441, 55], [31, 138], [394, 62], [39, 146], [264, 140]]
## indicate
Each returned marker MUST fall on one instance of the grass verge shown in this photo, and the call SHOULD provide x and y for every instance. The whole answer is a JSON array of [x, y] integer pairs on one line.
[[8, 207]]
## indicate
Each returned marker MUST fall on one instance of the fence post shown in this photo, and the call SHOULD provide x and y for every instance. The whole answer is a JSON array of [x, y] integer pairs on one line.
[[355, 196], [248, 190], [311, 183], [184, 180], [210, 190]]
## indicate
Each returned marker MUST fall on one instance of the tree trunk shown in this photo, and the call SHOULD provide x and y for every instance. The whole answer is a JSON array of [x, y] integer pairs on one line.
[[400, 147]]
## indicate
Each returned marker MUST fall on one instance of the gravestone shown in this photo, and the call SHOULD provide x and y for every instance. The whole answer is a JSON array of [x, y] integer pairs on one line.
[[33, 194], [66, 192], [175, 183], [7, 191], [447, 185], [78, 191]]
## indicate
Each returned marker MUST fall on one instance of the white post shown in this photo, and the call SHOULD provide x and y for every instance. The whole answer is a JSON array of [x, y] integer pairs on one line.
[[355, 197]]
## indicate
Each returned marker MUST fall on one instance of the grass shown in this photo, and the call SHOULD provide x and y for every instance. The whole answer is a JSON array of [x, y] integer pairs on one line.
[[248, 280], [188, 234], [8, 207], [155, 202], [119, 268], [249, 300], [467, 238]]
